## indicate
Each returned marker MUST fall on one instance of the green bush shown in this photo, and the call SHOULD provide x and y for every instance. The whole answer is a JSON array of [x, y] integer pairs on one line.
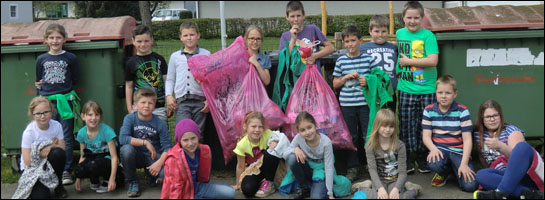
[[186, 14], [271, 26]]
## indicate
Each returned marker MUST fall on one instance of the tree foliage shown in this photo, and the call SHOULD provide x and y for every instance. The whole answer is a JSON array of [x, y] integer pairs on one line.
[[107, 9]]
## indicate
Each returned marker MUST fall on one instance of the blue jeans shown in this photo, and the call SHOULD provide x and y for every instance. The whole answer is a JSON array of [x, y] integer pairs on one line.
[[354, 116], [451, 163], [213, 191], [303, 175], [191, 109], [513, 179], [68, 132], [133, 158]]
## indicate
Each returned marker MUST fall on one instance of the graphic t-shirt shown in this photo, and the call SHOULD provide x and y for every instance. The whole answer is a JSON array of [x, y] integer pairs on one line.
[[384, 56], [306, 37], [99, 144], [250, 151], [490, 155], [411, 79], [147, 72], [154, 131], [58, 72], [33, 133]]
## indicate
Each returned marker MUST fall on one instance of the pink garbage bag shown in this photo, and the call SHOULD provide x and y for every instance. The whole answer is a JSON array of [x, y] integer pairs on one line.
[[311, 93], [232, 88]]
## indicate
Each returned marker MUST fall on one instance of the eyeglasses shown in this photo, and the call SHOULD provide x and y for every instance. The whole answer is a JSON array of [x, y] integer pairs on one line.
[[490, 117], [41, 114], [255, 39]]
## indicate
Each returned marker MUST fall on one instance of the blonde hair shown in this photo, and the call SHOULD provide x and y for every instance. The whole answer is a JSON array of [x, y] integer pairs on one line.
[[54, 28], [37, 101], [251, 28], [384, 117], [448, 80], [91, 106], [252, 115], [378, 21], [144, 92]]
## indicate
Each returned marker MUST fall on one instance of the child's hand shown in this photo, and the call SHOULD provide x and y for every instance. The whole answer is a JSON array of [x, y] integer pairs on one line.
[[55, 141], [382, 194], [435, 155], [205, 109], [171, 103], [394, 194], [300, 155], [151, 149], [331, 197], [351, 76], [77, 185], [294, 30], [469, 175], [273, 144], [111, 184], [403, 60], [493, 143], [154, 168], [236, 187], [38, 84], [45, 151], [363, 81], [253, 60], [311, 59]]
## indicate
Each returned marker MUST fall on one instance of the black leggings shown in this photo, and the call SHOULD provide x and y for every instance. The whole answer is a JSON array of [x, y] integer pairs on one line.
[[250, 184], [57, 158], [95, 166]]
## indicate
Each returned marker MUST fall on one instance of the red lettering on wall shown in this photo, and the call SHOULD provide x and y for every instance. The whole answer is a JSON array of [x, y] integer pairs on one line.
[[30, 90], [501, 79]]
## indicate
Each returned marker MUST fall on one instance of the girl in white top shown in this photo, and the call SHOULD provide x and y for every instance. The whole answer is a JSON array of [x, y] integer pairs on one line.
[[41, 128]]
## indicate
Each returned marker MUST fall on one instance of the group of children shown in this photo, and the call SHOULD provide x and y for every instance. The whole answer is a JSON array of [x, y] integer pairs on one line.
[[428, 117]]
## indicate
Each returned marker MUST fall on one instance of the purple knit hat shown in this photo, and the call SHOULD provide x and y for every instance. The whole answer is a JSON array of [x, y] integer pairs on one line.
[[184, 126]]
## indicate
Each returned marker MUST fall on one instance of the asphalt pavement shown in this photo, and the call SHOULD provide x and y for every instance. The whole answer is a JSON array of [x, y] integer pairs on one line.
[[449, 191]]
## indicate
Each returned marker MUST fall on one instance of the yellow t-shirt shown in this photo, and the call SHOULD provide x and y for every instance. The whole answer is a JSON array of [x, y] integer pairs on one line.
[[244, 146]]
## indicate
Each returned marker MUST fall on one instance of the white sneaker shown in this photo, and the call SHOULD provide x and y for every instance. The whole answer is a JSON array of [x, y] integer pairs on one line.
[[103, 188], [67, 178], [95, 186]]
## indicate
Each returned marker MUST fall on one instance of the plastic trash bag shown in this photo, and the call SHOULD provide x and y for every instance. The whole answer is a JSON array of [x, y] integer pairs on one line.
[[311, 93], [232, 88]]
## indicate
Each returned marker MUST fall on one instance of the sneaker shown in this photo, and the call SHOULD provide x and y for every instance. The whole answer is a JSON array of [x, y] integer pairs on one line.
[[95, 186], [133, 191], [103, 188], [490, 194], [410, 168], [362, 185], [423, 166], [266, 188], [301, 193], [60, 192], [352, 173], [67, 178], [531, 194], [438, 180], [413, 186]]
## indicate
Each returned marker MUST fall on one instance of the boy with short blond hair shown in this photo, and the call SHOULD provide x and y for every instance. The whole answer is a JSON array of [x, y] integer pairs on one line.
[[188, 100], [416, 72], [146, 141], [382, 52], [146, 69], [446, 132], [348, 75]]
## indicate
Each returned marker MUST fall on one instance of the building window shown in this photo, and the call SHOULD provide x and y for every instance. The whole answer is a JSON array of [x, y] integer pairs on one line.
[[13, 11]]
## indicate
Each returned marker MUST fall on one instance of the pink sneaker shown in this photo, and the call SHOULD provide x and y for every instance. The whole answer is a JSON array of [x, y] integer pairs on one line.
[[266, 188]]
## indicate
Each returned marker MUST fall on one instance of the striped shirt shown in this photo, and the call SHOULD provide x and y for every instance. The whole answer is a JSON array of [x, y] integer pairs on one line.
[[447, 128], [490, 155], [352, 92]]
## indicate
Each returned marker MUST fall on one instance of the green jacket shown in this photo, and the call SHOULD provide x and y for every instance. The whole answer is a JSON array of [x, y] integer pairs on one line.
[[378, 91], [293, 67], [64, 108]]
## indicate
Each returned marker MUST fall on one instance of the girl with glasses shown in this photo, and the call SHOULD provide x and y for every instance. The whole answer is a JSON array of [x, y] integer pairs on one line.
[[253, 39]]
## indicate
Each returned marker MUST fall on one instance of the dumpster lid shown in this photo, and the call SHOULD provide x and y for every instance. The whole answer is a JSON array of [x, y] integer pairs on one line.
[[79, 30], [483, 17]]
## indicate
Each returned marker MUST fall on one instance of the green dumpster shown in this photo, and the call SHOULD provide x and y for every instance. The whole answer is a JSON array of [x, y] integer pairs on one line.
[[101, 45], [494, 52]]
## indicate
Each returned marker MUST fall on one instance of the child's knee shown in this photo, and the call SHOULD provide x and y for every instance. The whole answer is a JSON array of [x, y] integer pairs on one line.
[[56, 154], [127, 151], [469, 187]]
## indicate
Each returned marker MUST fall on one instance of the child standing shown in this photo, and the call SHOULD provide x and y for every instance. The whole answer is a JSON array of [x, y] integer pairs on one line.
[[98, 153], [382, 52], [386, 160], [187, 168], [262, 63], [252, 148], [56, 73], [446, 131], [301, 35], [145, 141], [42, 128], [189, 101], [146, 69], [416, 73], [510, 164], [349, 74]]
